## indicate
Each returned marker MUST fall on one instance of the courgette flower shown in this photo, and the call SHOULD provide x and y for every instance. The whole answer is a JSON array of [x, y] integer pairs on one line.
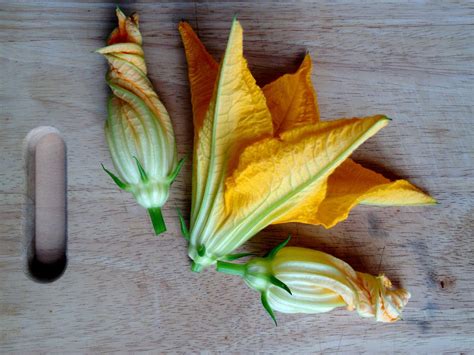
[[301, 280], [138, 128], [262, 156]]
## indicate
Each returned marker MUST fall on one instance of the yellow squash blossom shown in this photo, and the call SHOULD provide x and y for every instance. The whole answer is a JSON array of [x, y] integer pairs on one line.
[[300, 280], [138, 129], [293, 102], [262, 156]]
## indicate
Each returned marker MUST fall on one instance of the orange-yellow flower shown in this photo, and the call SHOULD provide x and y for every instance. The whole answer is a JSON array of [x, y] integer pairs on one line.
[[262, 156]]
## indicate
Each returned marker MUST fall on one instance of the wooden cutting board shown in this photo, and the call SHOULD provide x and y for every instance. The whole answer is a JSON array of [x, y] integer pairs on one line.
[[125, 289]]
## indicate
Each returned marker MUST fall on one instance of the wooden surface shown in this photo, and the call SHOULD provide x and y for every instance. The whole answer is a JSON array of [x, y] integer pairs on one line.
[[125, 289]]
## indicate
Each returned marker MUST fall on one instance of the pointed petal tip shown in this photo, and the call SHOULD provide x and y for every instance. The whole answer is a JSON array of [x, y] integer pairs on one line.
[[382, 120], [433, 202], [235, 22], [118, 11], [185, 29], [306, 62], [430, 200]]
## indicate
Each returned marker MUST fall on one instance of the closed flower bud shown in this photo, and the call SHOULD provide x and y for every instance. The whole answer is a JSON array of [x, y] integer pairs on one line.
[[300, 280], [138, 128]]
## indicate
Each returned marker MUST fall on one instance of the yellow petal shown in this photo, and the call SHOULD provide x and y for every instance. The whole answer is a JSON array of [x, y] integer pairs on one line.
[[349, 185], [129, 75], [138, 130], [397, 193], [305, 211], [275, 174], [151, 145], [127, 29], [292, 99], [292, 102], [236, 117], [134, 59], [202, 73], [320, 282], [131, 26], [117, 142], [130, 48], [379, 299], [125, 74], [300, 280]]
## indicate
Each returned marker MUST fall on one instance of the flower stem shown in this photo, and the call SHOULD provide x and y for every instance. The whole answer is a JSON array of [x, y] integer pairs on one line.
[[231, 269], [157, 219], [195, 267]]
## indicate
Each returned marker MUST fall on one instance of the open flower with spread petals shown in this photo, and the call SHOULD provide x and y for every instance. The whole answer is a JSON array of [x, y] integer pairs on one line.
[[262, 156], [138, 128], [300, 280]]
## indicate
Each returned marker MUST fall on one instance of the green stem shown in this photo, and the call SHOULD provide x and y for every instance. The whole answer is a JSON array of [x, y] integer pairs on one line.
[[195, 267], [157, 220], [231, 269]]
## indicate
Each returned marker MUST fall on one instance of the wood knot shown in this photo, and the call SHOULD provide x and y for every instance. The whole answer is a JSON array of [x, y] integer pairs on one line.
[[444, 283]]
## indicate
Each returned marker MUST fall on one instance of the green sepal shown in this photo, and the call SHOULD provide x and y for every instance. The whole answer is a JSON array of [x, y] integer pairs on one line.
[[201, 250], [143, 175], [267, 307], [176, 170], [157, 220], [184, 227], [196, 267], [231, 257], [275, 250], [119, 182], [275, 281]]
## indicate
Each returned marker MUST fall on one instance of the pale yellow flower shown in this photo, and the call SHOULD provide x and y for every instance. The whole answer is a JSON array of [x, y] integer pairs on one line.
[[301, 280], [138, 129]]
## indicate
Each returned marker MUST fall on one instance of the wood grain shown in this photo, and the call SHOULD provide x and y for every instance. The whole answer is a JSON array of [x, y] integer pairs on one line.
[[125, 289]]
